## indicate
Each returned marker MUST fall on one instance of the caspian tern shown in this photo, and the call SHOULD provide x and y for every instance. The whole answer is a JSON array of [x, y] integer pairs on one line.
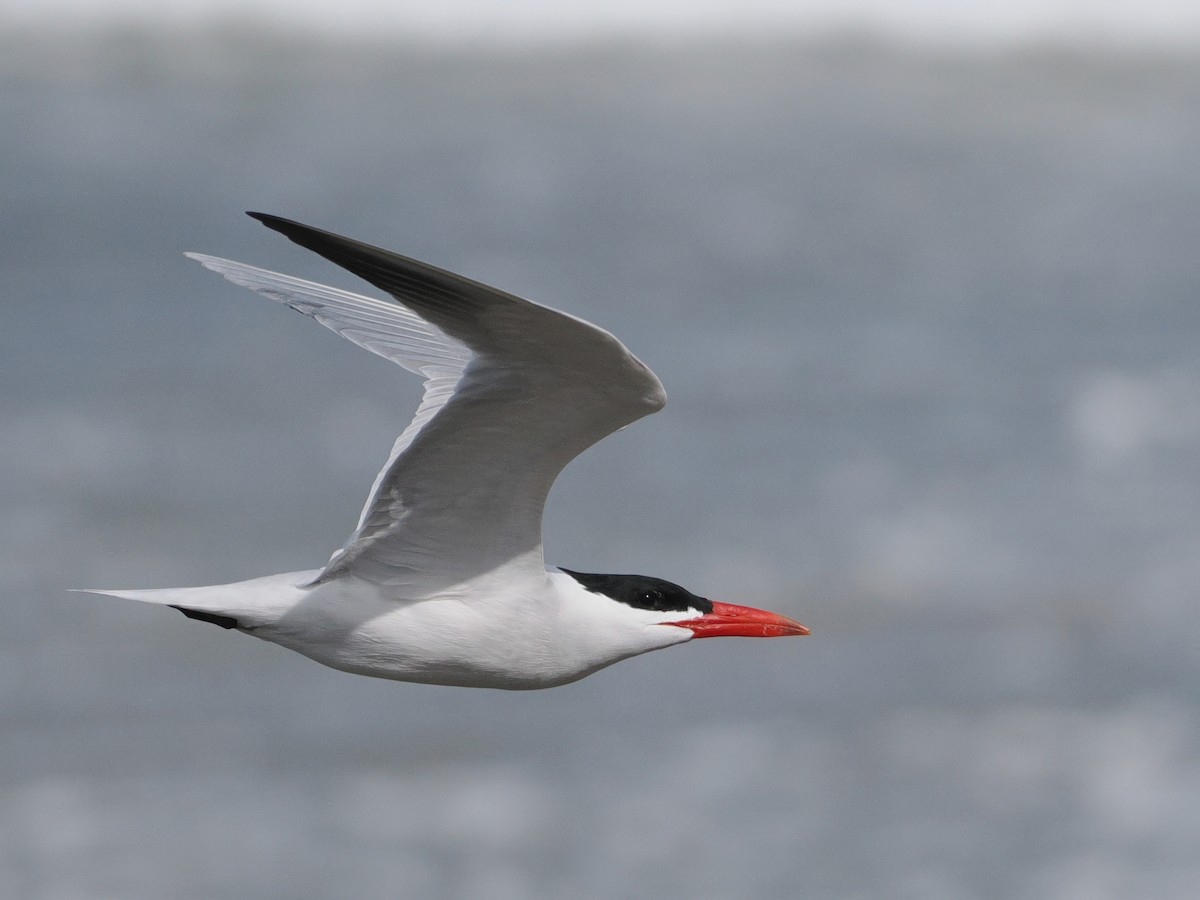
[[443, 580]]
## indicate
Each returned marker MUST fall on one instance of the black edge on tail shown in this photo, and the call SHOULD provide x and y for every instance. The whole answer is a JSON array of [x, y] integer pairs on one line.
[[214, 618]]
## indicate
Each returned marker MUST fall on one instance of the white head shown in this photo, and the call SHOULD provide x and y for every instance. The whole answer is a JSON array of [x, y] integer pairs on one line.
[[607, 618]]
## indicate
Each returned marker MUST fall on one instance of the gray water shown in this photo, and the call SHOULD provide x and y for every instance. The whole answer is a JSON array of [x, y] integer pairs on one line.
[[930, 326]]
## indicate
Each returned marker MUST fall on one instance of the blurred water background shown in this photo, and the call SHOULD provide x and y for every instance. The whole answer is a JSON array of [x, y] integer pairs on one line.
[[929, 320]]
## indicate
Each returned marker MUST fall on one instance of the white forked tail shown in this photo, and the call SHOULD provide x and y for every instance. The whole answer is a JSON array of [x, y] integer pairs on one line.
[[242, 604]]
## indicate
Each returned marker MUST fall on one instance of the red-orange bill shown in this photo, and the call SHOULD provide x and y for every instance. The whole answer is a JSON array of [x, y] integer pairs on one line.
[[728, 620]]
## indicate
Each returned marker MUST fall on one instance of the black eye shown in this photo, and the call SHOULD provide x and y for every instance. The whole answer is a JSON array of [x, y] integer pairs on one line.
[[650, 599]]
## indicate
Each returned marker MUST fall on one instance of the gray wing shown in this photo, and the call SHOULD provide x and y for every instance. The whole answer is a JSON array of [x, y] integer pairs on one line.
[[513, 392]]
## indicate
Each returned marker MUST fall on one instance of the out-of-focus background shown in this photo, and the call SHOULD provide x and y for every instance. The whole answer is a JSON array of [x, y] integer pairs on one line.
[[923, 285]]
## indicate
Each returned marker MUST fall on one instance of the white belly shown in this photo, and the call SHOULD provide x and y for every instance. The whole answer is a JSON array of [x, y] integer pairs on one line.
[[507, 642]]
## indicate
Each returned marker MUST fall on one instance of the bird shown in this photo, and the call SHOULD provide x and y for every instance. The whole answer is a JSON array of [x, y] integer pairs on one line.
[[443, 580]]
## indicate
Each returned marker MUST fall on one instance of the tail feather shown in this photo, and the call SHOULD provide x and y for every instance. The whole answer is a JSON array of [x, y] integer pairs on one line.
[[214, 618], [244, 604], [195, 603]]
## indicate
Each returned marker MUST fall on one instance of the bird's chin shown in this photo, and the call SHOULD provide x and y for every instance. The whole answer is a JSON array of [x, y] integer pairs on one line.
[[728, 620]]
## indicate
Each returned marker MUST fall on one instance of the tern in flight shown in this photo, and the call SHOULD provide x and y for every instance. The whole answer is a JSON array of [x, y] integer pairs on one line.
[[443, 580]]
